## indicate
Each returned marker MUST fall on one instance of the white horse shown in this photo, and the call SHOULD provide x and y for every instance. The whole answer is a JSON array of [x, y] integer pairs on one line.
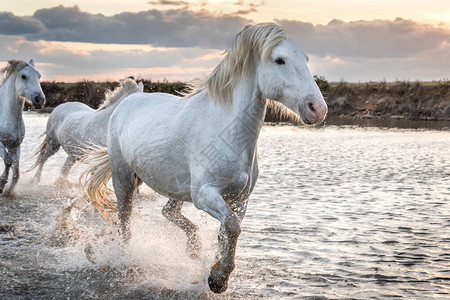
[[20, 83], [75, 126], [203, 148]]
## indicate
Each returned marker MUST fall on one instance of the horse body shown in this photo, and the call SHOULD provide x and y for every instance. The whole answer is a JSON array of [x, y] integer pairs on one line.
[[65, 126], [20, 83], [204, 148], [180, 143], [74, 125]]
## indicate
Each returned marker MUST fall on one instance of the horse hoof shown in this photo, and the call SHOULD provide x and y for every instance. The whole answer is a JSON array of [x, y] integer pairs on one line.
[[215, 287], [8, 194], [89, 252]]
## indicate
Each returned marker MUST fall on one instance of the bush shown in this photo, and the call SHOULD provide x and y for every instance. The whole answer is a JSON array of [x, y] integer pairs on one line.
[[322, 83], [410, 100]]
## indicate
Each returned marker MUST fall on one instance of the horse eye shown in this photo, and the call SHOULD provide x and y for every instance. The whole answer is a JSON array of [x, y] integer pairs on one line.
[[24, 77], [280, 61]]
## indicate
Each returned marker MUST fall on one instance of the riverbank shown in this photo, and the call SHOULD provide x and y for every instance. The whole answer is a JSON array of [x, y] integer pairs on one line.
[[372, 100], [389, 100]]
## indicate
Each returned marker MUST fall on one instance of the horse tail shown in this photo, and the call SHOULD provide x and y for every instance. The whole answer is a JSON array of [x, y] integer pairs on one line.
[[39, 152], [94, 179]]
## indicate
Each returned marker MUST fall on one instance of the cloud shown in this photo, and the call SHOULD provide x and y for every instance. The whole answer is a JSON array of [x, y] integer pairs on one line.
[[377, 39], [257, 4], [183, 27], [245, 11], [429, 66], [169, 2], [251, 7], [165, 28], [11, 24], [59, 60], [251, 4], [359, 50]]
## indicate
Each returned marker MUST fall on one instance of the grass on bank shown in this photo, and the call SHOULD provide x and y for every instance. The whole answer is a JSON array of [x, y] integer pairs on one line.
[[399, 99]]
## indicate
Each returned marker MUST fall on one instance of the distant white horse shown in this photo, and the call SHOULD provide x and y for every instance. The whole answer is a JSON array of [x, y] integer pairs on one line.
[[74, 125], [20, 83], [203, 148]]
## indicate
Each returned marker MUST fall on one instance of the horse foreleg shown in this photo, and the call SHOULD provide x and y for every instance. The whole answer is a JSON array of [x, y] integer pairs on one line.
[[209, 200], [239, 207], [172, 211], [8, 162], [15, 158]]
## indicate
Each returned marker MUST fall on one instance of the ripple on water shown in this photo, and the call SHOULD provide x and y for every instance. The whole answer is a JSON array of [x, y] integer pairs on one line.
[[337, 213]]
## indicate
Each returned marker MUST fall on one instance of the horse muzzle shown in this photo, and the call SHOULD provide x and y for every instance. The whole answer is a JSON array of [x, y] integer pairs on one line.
[[38, 101], [314, 112]]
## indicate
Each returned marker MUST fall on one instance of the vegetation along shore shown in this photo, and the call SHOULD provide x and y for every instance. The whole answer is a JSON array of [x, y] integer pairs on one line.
[[374, 100]]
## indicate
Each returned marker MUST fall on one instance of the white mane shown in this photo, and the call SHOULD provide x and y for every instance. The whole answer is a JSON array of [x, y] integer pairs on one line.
[[129, 86], [250, 46], [283, 112], [12, 66]]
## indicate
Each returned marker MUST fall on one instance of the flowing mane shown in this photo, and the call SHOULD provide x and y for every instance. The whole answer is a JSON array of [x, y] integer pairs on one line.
[[250, 46], [12, 66], [127, 87], [283, 112]]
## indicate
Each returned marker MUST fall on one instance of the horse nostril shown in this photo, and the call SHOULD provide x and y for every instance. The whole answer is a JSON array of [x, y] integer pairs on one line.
[[38, 99], [311, 106]]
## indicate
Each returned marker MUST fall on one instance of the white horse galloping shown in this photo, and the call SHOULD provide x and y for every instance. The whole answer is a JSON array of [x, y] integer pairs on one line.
[[203, 148], [20, 83], [74, 126]]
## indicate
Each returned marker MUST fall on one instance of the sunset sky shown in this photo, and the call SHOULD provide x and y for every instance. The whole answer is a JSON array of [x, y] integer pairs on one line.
[[183, 40]]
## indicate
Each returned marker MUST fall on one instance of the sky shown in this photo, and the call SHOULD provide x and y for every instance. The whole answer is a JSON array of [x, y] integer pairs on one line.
[[352, 40]]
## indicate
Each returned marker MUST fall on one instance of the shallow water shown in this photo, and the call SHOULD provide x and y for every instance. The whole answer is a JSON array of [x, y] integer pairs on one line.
[[338, 212]]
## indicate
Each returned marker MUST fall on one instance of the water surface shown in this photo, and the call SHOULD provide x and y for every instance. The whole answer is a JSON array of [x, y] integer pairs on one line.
[[338, 212]]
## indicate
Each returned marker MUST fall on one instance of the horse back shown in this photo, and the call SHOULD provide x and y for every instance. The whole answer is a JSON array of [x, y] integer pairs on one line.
[[68, 120]]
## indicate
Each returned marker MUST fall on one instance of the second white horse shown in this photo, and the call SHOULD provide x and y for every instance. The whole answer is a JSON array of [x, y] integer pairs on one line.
[[74, 125]]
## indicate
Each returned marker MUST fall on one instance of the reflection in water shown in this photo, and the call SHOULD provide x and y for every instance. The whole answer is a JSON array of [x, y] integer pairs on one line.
[[338, 212]]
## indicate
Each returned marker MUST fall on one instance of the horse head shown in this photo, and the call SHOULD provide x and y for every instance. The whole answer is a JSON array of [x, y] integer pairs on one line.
[[284, 76], [264, 52], [27, 84]]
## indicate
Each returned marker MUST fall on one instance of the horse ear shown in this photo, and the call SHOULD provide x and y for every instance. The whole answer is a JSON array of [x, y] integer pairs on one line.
[[141, 86], [31, 63], [122, 82]]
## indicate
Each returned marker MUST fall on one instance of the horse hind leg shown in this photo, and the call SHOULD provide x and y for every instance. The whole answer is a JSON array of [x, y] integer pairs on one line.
[[125, 183], [172, 211], [68, 164], [48, 148]]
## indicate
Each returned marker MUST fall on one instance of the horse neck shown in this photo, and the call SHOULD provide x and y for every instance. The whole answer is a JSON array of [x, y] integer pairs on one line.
[[246, 114], [11, 105]]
